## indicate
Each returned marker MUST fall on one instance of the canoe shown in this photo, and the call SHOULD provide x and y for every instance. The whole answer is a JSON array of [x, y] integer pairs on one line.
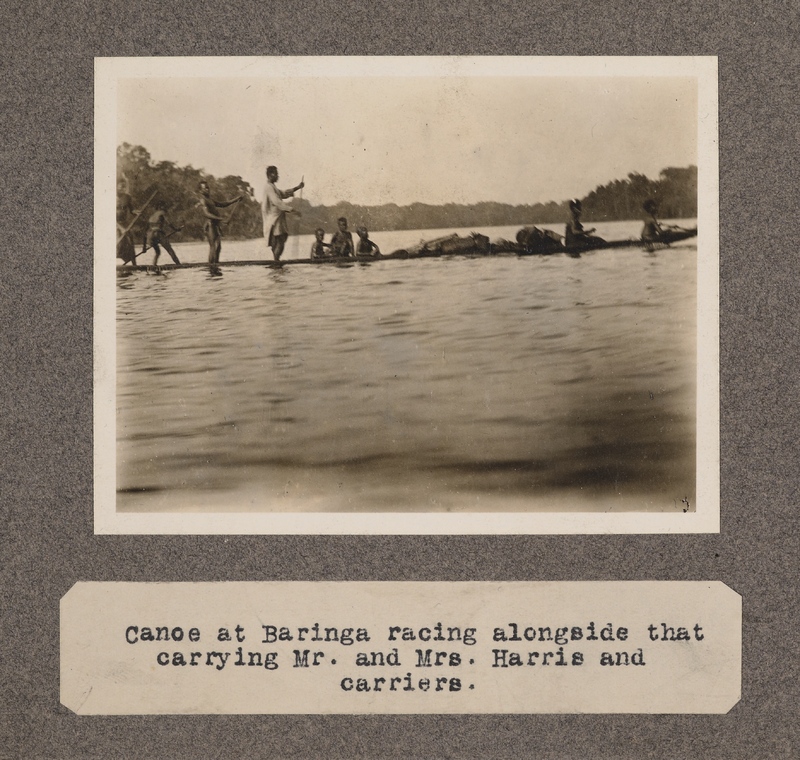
[[449, 245]]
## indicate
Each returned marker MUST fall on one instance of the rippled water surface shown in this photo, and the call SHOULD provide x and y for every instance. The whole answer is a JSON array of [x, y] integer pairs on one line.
[[507, 383]]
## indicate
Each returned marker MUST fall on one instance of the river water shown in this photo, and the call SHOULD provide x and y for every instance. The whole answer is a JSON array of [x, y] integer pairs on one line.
[[485, 384]]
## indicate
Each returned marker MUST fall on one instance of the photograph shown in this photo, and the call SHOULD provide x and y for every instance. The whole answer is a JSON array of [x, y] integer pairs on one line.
[[406, 295]]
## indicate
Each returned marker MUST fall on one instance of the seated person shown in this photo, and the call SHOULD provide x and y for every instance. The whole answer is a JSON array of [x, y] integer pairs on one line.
[[576, 236], [318, 246], [365, 245], [342, 240], [652, 230]]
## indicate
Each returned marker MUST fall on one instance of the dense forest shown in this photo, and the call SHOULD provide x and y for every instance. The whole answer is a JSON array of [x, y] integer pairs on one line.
[[675, 190], [176, 186]]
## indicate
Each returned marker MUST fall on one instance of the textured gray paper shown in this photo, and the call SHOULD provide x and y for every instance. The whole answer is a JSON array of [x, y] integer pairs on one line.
[[47, 484]]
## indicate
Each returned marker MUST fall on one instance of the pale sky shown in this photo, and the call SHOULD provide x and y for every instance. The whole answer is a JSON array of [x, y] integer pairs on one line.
[[373, 140]]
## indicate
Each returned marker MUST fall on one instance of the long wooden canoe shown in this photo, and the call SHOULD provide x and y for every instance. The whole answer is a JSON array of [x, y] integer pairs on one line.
[[451, 246]]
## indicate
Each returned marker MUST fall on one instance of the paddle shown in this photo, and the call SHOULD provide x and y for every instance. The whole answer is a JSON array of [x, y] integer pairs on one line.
[[136, 218], [233, 211]]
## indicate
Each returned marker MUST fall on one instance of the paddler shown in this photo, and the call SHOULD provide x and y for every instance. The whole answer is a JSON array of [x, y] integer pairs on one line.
[[274, 210], [157, 233], [319, 245], [365, 245], [208, 208], [652, 230], [576, 236], [342, 240]]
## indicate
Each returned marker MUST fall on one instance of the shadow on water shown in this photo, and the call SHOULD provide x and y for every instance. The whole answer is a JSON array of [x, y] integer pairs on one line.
[[124, 279], [279, 274]]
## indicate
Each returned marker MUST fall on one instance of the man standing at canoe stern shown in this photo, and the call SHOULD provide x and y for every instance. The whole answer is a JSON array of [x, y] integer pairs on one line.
[[157, 234], [274, 210], [208, 208], [125, 214]]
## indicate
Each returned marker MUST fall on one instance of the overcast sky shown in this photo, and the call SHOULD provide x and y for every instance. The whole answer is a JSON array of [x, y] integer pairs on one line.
[[374, 140]]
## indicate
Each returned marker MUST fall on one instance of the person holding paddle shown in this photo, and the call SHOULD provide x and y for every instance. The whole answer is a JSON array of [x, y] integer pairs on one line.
[[157, 234], [125, 213], [274, 210], [652, 231], [208, 208]]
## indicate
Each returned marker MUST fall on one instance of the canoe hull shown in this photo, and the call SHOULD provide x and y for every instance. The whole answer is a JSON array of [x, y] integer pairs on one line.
[[452, 245]]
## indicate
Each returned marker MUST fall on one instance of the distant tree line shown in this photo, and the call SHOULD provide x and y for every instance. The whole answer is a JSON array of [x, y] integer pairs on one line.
[[675, 191], [423, 216]]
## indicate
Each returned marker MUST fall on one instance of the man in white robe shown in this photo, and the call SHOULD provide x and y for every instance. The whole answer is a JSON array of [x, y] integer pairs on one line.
[[273, 212]]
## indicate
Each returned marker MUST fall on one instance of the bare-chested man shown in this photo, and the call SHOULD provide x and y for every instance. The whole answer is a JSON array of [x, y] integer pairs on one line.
[[208, 208], [157, 235]]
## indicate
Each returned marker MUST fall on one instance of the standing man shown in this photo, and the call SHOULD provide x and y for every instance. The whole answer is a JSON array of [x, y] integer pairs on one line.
[[208, 208], [126, 214], [157, 234], [274, 210]]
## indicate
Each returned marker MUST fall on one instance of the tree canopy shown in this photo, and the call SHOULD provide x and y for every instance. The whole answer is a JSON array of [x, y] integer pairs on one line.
[[675, 192], [176, 186]]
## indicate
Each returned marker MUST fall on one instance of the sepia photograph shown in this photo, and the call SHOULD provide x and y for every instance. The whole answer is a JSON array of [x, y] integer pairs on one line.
[[406, 295]]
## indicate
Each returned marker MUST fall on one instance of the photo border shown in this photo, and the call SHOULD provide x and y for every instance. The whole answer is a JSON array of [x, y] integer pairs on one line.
[[706, 518]]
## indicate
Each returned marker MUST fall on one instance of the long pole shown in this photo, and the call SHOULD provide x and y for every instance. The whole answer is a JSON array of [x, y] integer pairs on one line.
[[297, 234], [147, 248], [136, 218], [233, 210]]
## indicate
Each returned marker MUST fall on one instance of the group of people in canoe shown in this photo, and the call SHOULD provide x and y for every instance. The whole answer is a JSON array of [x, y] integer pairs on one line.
[[155, 234], [274, 211], [577, 238], [341, 245], [275, 208]]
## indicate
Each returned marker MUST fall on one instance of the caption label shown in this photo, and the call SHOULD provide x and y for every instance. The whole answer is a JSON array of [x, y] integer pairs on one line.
[[596, 647]]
